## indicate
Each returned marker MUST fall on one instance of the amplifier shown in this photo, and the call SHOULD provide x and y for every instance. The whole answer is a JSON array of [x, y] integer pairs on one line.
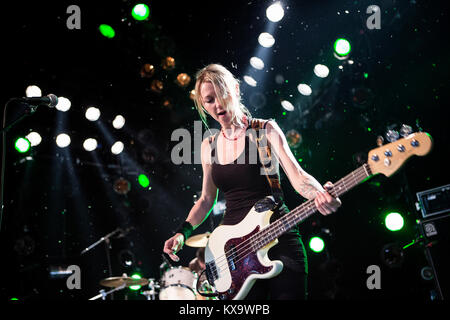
[[434, 201]]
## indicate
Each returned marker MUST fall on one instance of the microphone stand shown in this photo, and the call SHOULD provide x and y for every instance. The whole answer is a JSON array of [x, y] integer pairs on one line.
[[29, 111], [107, 247]]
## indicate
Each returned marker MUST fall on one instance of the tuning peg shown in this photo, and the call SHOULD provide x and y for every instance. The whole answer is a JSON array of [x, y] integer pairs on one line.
[[392, 135], [380, 141], [405, 130]]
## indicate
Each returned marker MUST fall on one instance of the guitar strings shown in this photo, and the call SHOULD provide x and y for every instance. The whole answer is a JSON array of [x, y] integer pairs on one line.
[[243, 249], [290, 217]]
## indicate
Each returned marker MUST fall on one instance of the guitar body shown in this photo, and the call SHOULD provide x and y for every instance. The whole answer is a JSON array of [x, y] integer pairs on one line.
[[234, 278]]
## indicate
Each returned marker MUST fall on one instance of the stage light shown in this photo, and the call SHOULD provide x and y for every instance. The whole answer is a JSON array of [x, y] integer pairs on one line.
[[394, 221], [342, 47], [192, 94], [304, 89], [250, 81], [266, 40], [117, 147], [140, 12], [90, 144], [136, 276], [34, 138], [92, 114], [316, 244], [107, 31], [257, 63], [294, 138], [118, 122], [275, 12], [157, 86], [147, 70], [122, 186], [64, 104], [183, 80], [22, 145], [168, 63], [143, 180], [33, 91], [62, 140], [321, 70], [287, 105]]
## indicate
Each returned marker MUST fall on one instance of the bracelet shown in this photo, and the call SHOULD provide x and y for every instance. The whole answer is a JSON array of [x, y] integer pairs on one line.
[[185, 229]]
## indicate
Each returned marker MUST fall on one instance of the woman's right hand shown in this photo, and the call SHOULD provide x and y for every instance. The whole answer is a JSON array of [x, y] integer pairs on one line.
[[173, 245]]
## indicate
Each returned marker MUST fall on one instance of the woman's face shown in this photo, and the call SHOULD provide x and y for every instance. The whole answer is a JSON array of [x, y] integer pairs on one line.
[[212, 104]]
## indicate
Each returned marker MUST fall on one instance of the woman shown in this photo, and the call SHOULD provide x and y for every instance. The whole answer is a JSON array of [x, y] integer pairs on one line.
[[226, 167]]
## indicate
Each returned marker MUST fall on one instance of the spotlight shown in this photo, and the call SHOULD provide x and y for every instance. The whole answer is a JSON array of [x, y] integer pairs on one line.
[[250, 81], [92, 114], [266, 40], [118, 122], [183, 80], [122, 186], [64, 104], [304, 89], [192, 94], [107, 31], [168, 63], [321, 70], [275, 12], [140, 12], [257, 63], [316, 244], [33, 91], [90, 144], [157, 86], [147, 70], [287, 105], [117, 147], [143, 181], [294, 138], [22, 145], [136, 276], [62, 140], [34, 138], [342, 48], [394, 221]]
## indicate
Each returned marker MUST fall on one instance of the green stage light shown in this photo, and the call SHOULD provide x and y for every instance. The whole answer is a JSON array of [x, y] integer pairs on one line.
[[143, 180], [136, 276], [342, 47], [107, 31], [394, 221], [316, 244], [22, 145], [140, 11]]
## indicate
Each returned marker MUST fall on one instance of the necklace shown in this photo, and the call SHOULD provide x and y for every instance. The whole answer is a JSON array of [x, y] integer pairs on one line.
[[232, 139]]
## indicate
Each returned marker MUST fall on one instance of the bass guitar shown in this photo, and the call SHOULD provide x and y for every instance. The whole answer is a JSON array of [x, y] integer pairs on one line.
[[237, 255]]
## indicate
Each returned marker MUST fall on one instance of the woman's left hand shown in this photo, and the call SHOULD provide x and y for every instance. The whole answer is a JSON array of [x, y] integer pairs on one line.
[[326, 203]]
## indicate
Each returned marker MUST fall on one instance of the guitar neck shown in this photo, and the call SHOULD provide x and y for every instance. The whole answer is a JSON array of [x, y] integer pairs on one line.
[[299, 214]]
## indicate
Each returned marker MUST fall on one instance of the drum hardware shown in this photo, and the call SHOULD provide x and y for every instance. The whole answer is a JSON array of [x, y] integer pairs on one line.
[[150, 294], [114, 282]]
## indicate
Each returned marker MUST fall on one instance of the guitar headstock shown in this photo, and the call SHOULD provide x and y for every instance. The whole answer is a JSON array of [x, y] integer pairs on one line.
[[388, 158]]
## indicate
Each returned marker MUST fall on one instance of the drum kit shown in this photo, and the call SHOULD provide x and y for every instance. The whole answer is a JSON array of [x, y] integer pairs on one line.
[[176, 283]]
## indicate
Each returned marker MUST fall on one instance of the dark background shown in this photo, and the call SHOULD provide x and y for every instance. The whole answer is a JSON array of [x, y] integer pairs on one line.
[[63, 200]]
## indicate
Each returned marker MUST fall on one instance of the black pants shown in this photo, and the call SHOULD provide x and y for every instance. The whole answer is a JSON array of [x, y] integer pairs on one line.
[[291, 283]]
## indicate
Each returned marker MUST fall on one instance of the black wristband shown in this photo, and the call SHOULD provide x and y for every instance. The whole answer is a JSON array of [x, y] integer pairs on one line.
[[185, 229]]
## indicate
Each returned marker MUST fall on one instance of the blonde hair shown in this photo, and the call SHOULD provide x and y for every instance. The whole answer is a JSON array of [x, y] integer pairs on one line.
[[224, 84]]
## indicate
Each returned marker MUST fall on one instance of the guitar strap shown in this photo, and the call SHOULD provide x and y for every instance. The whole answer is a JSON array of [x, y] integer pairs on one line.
[[268, 162]]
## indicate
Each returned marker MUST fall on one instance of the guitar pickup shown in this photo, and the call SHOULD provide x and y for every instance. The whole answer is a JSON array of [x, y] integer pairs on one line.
[[211, 272], [230, 258]]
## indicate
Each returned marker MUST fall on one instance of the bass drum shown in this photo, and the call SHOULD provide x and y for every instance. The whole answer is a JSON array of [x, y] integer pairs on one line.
[[178, 283]]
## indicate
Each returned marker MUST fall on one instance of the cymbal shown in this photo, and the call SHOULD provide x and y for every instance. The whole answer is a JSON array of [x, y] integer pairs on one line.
[[199, 240], [115, 282]]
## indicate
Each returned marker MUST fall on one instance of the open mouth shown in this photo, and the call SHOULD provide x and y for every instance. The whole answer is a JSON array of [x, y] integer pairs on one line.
[[221, 113]]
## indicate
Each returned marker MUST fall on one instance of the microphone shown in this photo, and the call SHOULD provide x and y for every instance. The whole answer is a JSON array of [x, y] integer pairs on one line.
[[50, 100]]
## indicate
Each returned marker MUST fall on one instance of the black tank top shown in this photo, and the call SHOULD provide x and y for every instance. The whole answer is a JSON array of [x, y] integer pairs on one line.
[[241, 181]]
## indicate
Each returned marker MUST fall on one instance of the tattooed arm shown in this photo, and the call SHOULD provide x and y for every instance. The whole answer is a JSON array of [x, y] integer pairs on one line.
[[305, 184]]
